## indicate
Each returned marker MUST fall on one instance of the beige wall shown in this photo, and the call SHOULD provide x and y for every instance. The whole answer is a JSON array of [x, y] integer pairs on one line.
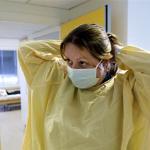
[[119, 19]]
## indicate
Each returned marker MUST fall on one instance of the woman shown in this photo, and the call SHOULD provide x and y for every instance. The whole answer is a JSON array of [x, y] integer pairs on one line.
[[83, 101]]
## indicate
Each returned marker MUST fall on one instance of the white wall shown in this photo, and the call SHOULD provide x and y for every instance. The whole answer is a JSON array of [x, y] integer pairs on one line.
[[119, 19], [130, 21], [49, 33], [9, 44], [139, 23], [24, 95], [53, 35]]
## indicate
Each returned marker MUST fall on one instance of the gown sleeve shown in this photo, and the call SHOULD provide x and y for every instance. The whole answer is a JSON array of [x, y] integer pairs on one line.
[[33, 54], [137, 61], [41, 64]]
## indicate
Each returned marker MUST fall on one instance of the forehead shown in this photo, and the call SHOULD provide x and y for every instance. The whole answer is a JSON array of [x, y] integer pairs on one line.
[[73, 51]]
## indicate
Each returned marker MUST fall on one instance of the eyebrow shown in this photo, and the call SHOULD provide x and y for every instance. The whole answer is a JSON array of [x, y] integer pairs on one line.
[[82, 59], [78, 58]]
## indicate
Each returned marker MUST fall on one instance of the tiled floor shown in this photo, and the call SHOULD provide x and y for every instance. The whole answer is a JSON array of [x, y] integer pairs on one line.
[[12, 128]]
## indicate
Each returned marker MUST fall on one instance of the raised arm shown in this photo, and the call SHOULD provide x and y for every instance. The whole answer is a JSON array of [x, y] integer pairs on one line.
[[138, 62], [33, 54]]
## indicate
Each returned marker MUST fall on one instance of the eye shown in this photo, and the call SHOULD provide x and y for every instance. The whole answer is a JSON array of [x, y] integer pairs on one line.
[[69, 62], [83, 63]]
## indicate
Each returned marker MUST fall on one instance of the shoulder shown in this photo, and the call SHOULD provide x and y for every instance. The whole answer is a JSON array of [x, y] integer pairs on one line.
[[132, 48], [124, 76]]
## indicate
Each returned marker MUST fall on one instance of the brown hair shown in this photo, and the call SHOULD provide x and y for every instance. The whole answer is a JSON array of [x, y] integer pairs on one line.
[[92, 37]]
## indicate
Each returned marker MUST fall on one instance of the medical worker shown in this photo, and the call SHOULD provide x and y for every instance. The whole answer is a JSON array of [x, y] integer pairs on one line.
[[86, 93]]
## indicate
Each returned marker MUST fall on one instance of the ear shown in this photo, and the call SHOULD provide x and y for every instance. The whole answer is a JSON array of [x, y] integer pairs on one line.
[[106, 64]]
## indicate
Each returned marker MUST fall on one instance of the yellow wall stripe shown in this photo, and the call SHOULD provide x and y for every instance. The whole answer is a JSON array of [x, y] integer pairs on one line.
[[97, 16]]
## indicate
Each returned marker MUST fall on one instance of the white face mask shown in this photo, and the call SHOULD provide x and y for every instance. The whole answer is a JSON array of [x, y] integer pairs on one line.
[[83, 78]]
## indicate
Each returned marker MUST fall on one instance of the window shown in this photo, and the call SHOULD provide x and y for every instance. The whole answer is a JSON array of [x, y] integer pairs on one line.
[[8, 68]]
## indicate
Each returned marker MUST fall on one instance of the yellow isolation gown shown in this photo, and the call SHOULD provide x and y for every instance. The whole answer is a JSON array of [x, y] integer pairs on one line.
[[112, 116]]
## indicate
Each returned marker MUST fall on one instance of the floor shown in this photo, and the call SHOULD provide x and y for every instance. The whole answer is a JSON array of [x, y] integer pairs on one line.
[[11, 130]]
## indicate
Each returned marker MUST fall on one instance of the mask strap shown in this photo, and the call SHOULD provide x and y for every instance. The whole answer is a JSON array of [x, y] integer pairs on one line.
[[99, 63]]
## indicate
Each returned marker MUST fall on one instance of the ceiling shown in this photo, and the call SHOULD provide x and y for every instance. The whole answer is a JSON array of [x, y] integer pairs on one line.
[[21, 18], [61, 4]]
